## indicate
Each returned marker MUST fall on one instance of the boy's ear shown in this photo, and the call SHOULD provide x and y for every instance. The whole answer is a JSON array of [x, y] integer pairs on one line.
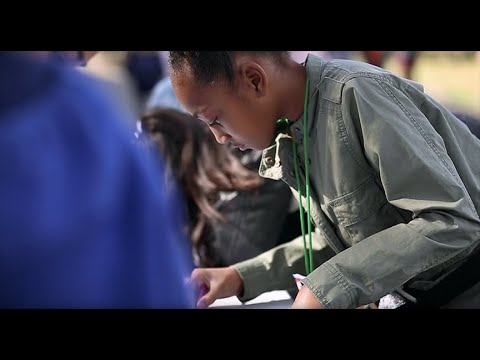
[[253, 76]]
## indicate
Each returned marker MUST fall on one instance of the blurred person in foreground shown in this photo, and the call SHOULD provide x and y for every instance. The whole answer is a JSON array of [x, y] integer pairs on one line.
[[84, 220]]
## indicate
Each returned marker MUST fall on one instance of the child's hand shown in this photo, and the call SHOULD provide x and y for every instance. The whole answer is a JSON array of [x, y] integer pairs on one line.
[[306, 300], [215, 283]]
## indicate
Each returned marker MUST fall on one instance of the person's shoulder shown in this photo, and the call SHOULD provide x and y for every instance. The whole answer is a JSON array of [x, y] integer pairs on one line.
[[92, 99], [51, 98], [339, 76], [84, 86], [344, 70], [24, 80], [38, 82], [333, 77], [340, 71]]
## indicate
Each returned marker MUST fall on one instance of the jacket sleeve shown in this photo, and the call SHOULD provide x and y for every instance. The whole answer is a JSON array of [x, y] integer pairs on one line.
[[274, 269], [412, 162]]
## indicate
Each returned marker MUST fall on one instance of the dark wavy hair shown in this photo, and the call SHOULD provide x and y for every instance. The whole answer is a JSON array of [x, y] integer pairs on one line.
[[201, 166]]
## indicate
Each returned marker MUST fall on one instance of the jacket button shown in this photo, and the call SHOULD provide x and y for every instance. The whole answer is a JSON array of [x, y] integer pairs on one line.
[[269, 161]]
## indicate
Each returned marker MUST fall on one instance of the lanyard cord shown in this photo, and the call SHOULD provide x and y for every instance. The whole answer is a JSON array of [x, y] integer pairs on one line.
[[307, 250]]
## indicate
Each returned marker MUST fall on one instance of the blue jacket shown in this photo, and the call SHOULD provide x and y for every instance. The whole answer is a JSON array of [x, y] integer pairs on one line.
[[83, 220]]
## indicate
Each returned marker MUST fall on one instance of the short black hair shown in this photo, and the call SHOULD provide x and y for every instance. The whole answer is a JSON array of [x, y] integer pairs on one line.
[[208, 66]]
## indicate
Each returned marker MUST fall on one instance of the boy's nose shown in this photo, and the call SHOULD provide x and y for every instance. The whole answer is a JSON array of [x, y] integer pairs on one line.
[[221, 137]]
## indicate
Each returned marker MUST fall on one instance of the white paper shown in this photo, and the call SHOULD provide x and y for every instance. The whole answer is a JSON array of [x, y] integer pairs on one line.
[[273, 299]]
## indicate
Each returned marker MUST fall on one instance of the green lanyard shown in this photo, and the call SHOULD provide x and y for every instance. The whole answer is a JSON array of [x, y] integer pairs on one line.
[[307, 250]]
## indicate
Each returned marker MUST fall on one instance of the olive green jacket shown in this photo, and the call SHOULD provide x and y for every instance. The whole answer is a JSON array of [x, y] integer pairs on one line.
[[395, 188]]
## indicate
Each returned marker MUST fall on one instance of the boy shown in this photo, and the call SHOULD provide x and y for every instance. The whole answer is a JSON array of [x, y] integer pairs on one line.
[[394, 177]]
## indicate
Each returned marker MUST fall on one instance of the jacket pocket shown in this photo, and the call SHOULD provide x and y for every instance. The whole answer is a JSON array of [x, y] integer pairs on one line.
[[364, 212]]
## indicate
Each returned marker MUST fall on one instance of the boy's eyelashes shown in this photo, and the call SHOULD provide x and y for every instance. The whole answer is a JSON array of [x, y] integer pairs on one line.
[[214, 122]]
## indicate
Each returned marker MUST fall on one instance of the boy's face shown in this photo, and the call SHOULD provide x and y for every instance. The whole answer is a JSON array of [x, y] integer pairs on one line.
[[241, 115]]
